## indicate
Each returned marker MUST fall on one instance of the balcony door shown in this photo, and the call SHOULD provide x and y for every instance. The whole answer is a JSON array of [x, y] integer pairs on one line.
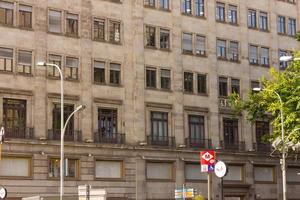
[[69, 132], [196, 130], [107, 122], [159, 126], [230, 132]]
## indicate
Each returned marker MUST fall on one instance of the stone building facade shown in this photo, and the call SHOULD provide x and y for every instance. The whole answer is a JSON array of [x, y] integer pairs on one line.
[[154, 76]]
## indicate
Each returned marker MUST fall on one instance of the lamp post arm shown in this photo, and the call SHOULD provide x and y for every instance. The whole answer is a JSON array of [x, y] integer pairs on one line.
[[70, 116]]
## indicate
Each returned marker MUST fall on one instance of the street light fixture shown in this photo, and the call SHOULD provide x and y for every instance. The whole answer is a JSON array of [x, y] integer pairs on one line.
[[288, 58]]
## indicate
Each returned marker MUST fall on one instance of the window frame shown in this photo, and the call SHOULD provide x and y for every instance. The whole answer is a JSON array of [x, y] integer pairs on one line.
[[114, 21], [77, 69], [187, 84], [7, 59], [77, 163], [104, 70], [173, 171], [193, 180], [114, 75], [31, 16], [61, 32], [12, 14], [122, 168], [99, 19], [274, 174], [68, 20], [30, 167], [152, 85]]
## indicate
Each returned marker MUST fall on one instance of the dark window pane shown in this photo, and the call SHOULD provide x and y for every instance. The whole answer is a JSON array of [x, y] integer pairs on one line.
[[165, 79], [188, 82], [151, 78], [223, 86], [201, 83]]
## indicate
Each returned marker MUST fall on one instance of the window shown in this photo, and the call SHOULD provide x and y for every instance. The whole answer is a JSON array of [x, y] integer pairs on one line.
[[56, 117], [191, 171], [291, 27], [99, 72], [25, 16], [235, 173], [115, 73], [186, 6], [252, 19], [223, 91], [159, 170], [187, 43], [264, 174], [6, 13], [72, 65], [199, 8], [220, 12], [71, 169], [221, 49], [196, 129], [109, 169], [164, 4], [6, 59], [231, 133], [114, 31], [264, 56], [14, 118], [261, 129], [55, 24], [164, 39], [200, 45], [159, 126], [281, 25], [165, 79], [51, 70], [255, 84], [99, 29], [253, 54], [232, 14], [292, 174], [233, 52], [24, 61], [151, 77], [107, 121], [15, 167], [283, 65], [201, 83], [150, 3], [263, 21], [188, 82], [72, 24], [235, 86], [150, 36]]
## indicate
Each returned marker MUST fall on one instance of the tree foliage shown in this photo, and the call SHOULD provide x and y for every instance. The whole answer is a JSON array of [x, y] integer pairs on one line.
[[266, 104]]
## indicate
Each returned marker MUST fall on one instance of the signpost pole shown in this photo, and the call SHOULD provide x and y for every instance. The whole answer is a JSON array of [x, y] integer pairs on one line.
[[209, 186], [222, 193], [183, 192]]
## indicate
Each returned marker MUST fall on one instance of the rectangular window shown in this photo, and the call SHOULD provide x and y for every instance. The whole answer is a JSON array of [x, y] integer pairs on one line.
[[252, 19], [231, 133], [200, 45], [165, 79], [164, 4], [188, 82], [107, 122], [201, 83], [191, 171], [264, 56], [164, 39], [221, 49], [55, 25], [159, 171], [196, 130], [186, 6], [293, 174], [151, 77], [99, 72], [6, 13], [51, 70], [263, 21], [233, 52], [24, 62], [14, 118], [114, 31], [71, 168], [255, 84], [235, 86], [187, 43], [150, 3], [159, 126], [232, 14], [223, 88], [150, 36], [253, 54], [6, 59], [199, 8], [281, 25], [264, 174], [72, 65], [15, 167], [115, 73], [56, 116], [283, 65], [291, 27], [99, 29], [108, 169], [220, 12], [25, 16], [235, 173], [261, 129], [72, 24]]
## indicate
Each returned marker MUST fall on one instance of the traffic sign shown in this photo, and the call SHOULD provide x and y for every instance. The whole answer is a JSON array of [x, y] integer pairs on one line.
[[3, 192], [207, 160], [221, 169]]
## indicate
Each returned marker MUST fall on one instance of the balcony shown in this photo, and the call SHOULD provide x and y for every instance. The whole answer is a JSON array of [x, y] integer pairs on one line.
[[72, 135], [109, 138], [233, 146], [161, 141], [198, 143], [17, 132], [264, 148]]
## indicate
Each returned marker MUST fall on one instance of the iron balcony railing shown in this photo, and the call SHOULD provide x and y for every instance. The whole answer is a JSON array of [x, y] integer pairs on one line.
[[259, 147], [109, 138], [198, 143], [161, 141], [233, 146], [72, 135], [19, 132]]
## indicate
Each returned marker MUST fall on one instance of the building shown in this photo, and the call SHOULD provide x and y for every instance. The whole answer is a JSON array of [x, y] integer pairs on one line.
[[154, 76]]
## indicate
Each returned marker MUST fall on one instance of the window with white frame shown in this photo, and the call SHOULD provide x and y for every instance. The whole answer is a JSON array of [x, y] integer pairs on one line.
[[24, 62], [264, 56], [6, 59], [264, 173], [159, 170], [199, 8], [109, 169], [252, 18], [263, 21], [15, 167], [253, 54], [221, 49], [232, 14], [186, 6], [291, 27], [220, 12], [281, 25], [187, 43], [200, 45]]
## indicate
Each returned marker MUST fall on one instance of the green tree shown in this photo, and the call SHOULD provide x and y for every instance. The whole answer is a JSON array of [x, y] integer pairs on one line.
[[266, 103]]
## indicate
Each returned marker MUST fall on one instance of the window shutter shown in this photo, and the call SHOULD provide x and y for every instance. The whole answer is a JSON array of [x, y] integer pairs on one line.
[[7, 53]]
